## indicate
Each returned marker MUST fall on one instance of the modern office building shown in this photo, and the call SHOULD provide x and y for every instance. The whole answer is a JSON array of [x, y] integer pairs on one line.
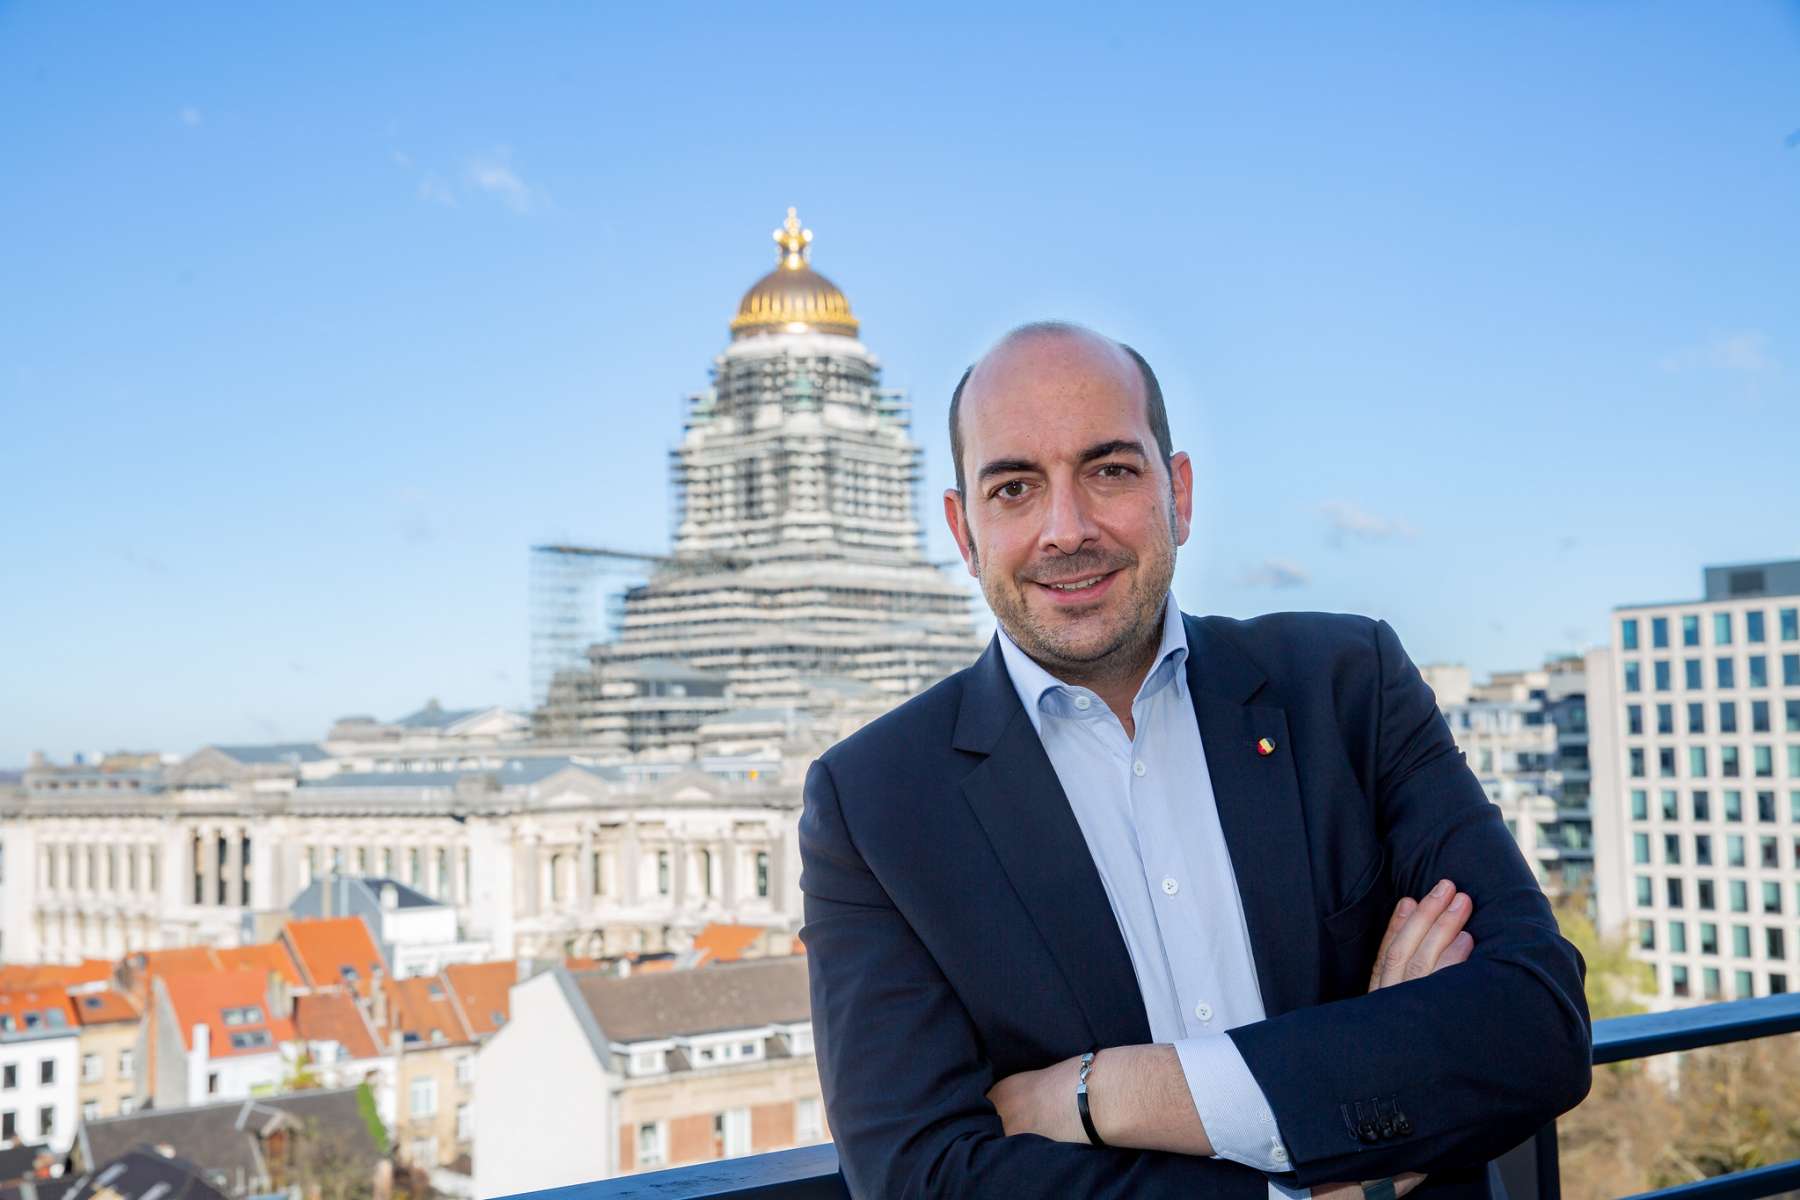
[[1695, 716]]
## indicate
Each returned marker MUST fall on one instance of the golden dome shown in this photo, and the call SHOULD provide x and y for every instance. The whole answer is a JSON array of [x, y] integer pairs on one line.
[[793, 298]]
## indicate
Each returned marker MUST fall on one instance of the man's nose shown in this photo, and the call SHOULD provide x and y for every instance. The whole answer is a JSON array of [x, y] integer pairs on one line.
[[1068, 523]]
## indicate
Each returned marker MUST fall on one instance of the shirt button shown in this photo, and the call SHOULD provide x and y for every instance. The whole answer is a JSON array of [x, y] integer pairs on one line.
[[1083, 703], [1278, 1153], [1138, 768], [1170, 887], [1203, 1010]]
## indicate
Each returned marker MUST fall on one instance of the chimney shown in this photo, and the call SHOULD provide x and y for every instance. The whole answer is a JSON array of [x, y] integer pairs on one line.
[[390, 897], [378, 1010]]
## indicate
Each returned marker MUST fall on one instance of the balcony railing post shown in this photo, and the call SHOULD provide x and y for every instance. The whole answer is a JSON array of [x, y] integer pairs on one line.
[[1549, 1171]]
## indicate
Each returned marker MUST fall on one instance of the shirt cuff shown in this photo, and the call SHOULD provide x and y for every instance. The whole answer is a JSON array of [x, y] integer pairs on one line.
[[1239, 1122]]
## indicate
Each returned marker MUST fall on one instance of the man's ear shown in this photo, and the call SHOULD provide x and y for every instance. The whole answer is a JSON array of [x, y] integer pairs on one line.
[[957, 518], [1181, 488]]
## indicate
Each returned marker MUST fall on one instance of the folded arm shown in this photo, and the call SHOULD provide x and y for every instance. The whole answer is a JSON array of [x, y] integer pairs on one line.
[[905, 1079]]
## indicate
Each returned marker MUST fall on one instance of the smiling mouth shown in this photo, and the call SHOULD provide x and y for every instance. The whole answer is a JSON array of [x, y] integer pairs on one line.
[[1079, 585]]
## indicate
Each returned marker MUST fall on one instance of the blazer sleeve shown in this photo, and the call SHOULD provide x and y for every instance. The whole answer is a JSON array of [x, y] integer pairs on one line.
[[1462, 1065], [901, 1066]]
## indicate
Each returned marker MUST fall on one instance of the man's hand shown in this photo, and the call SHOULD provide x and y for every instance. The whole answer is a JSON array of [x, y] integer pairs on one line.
[[1422, 936], [1041, 1102]]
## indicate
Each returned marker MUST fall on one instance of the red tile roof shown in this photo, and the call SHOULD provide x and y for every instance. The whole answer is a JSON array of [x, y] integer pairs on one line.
[[422, 1011], [335, 1017], [483, 992], [103, 1006], [265, 957], [335, 952], [36, 1009], [727, 943], [228, 1003], [25, 976]]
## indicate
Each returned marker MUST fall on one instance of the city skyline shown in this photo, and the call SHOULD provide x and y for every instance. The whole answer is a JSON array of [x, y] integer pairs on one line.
[[314, 353]]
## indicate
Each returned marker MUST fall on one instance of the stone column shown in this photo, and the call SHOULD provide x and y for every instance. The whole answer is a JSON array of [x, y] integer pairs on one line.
[[631, 864], [209, 865]]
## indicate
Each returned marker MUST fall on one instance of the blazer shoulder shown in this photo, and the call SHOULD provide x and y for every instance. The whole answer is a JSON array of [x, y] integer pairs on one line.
[[1290, 646], [902, 737]]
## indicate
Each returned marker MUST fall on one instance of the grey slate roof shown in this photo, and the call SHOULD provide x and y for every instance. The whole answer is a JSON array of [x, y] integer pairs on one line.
[[18, 1161], [710, 999], [144, 1175], [275, 752], [432, 716], [514, 771], [221, 1139]]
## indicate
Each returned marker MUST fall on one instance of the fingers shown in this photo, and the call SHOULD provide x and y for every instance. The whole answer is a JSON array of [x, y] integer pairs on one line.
[[1408, 1180], [1461, 946], [1437, 939], [1402, 910], [1392, 966]]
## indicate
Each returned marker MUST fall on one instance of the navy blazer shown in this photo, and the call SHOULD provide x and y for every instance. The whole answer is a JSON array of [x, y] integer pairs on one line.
[[958, 932]]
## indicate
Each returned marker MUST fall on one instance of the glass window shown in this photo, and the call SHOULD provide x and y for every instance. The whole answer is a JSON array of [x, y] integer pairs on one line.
[[1690, 629], [1721, 629], [1753, 626], [1659, 632], [1734, 804], [1640, 804], [1672, 892], [1762, 762], [1628, 634], [1634, 718], [1678, 937], [1703, 890], [1703, 850], [1777, 983], [1790, 624], [1727, 671], [1758, 667], [1771, 898], [1643, 891], [1640, 848], [1709, 982], [1774, 944], [1696, 718], [1665, 718], [1646, 935], [1696, 762], [1734, 850], [1661, 669], [1745, 990], [1794, 807], [1740, 941], [1765, 807], [1665, 762], [1678, 980], [1793, 762], [1634, 677], [1759, 716], [1740, 896], [1709, 937], [1671, 804], [1790, 710], [1693, 681], [1672, 849], [1769, 853], [1790, 670], [1728, 716], [1728, 761], [1702, 806], [762, 874]]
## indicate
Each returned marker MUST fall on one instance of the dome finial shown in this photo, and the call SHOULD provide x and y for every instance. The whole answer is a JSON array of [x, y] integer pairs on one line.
[[793, 241]]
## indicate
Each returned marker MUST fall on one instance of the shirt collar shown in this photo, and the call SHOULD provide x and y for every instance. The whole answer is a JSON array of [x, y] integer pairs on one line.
[[1038, 689]]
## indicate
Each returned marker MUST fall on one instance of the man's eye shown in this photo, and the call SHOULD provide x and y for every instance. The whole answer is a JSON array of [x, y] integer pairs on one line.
[[1012, 489], [1116, 471]]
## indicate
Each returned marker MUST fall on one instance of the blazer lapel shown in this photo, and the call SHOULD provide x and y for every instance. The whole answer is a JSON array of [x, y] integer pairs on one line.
[[1258, 799], [1021, 807]]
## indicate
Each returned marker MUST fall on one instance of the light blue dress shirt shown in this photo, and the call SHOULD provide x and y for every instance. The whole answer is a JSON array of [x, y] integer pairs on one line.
[[1145, 805]]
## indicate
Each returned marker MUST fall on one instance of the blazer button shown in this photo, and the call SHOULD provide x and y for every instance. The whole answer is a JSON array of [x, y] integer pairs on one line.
[[1387, 1129], [1368, 1132], [1403, 1126]]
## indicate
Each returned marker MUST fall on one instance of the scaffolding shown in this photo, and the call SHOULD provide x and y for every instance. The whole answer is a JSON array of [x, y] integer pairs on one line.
[[566, 606]]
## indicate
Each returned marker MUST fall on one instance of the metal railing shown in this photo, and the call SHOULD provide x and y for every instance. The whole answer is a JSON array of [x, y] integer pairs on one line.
[[810, 1173]]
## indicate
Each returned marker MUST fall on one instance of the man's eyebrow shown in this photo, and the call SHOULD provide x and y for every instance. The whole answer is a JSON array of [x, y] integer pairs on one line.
[[1116, 446], [1009, 466]]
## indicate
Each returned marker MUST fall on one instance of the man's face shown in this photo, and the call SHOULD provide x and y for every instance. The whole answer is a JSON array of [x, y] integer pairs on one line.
[[1070, 520]]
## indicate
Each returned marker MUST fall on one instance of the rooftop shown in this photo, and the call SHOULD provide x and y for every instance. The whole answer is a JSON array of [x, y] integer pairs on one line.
[[711, 999], [335, 952]]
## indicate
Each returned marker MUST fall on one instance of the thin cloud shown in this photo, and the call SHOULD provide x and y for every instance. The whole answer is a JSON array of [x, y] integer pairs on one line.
[[190, 116], [433, 190], [1347, 520], [1276, 573], [495, 175], [1746, 352]]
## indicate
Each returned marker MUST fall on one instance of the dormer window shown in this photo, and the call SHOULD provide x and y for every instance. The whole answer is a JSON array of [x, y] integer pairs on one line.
[[251, 1039], [247, 1015], [349, 974]]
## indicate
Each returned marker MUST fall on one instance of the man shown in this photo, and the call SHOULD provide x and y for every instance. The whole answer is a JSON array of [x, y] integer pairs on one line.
[[1174, 841]]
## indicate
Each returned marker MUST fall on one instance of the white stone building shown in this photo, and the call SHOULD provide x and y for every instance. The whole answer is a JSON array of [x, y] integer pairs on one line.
[[39, 1059], [1695, 713]]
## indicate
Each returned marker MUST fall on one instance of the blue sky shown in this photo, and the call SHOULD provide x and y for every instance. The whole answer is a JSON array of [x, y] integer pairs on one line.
[[1481, 318]]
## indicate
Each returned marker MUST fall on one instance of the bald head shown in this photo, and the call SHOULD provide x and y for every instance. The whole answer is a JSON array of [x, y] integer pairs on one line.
[[1045, 354]]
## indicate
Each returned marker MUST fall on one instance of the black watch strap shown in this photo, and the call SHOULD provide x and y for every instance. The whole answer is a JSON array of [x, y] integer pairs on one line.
[[1081, 1099]]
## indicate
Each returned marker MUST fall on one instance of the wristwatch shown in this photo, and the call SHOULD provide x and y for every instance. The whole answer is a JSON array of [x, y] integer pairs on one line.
[[1379, 1189], [1081, 1103]]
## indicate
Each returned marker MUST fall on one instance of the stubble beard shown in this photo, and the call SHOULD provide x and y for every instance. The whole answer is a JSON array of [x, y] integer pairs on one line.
[[1131, 644]]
